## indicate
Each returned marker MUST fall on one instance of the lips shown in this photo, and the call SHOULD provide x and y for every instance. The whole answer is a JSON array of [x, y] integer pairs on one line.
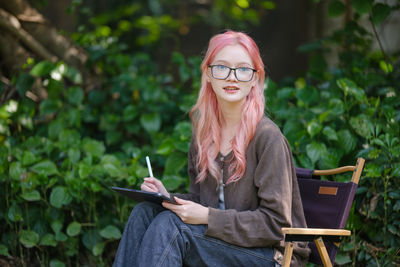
[[231, 88]]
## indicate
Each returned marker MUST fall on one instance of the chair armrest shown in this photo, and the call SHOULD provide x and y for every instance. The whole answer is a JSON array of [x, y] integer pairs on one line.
[[315, 231]]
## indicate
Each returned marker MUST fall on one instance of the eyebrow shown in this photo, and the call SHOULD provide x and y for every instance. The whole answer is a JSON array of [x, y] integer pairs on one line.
[[228, 63]]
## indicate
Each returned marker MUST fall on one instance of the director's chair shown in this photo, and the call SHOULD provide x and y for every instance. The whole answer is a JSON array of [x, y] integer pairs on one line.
[[326, 207]]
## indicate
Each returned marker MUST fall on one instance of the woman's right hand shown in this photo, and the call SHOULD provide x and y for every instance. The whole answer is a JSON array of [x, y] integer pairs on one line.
[[152, 184]]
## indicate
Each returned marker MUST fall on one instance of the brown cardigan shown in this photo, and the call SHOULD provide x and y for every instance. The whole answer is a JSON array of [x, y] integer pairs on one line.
[[263, 201]]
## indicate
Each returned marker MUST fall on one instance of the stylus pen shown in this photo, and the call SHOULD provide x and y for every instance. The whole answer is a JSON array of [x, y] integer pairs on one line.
[[149, 166]]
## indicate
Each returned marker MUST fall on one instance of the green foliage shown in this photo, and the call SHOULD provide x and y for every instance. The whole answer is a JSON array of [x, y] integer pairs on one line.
[[332, 116], [144, 25], [59, 157]]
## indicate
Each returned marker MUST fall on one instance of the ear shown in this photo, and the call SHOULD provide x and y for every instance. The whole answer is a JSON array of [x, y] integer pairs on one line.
[[255, 79]]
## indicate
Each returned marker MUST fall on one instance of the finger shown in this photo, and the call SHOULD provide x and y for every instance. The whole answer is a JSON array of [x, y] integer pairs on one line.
[[169, 206], [152, 180], [181, 201], [149, 184], [148, 187]]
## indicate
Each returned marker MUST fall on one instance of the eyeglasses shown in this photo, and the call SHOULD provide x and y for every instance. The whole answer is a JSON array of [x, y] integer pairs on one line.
[[242, 74]]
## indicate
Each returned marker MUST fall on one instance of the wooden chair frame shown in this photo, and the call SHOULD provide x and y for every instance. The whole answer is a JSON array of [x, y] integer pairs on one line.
[[318, 235]]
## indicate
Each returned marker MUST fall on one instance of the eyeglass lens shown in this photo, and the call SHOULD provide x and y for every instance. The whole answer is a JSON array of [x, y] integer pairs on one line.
[[222, 72]]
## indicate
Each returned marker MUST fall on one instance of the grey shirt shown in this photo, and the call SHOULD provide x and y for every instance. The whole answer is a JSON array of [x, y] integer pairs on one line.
[[263, 201]]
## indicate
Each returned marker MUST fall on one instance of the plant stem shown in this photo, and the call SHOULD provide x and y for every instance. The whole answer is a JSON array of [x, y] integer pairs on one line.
[[379, 39]]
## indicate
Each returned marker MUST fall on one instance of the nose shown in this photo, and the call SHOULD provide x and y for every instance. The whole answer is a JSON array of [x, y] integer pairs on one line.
[[231, 76]]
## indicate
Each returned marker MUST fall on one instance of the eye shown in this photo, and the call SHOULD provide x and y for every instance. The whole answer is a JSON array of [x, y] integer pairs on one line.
[[244, 69], [220, 67]]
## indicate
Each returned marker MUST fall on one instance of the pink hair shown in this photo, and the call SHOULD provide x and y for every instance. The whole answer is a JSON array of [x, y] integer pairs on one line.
[[207, 117]]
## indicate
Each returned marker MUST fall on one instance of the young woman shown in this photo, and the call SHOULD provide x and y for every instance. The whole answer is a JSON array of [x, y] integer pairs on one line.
[[243, 187]]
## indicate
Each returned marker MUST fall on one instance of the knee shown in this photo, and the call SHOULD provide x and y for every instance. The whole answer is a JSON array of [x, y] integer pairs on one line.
[[143, 207], [168, 219], [144, 210]]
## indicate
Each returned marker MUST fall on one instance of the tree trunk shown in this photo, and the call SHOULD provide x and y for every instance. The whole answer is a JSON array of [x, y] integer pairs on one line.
[[26, 33]]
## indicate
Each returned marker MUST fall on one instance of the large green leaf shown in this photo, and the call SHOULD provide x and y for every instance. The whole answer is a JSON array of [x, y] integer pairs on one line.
[[285, 93], [342, 259], [372, 170], [141, 171], [396, 170], [56, 226], [74, 228], [315, 151], [307, 94], [350, 88], [130, 113], [362, 125], [29, 238], [84, 170], [330, 133], [346, 140], [166, 147], [96, 148], [91, 238], [55, 88], [60, 236], [98, 249], [113, 137], [43, 68], [313, 128], [31, 196], [182, 135], [293, 129], [55, 129], [14, 213], [172, 182], [329, 161], [49, 106], [362, 6], [380, 12], [74, 155], [56, 263], [4, 250], [16, 171], [110, 232], [336, 107], [151, 122], [59, 197], [175, 163], [48, 240], [69, 138], [112, 170], [336, 8], [28, 158], [45, 167]]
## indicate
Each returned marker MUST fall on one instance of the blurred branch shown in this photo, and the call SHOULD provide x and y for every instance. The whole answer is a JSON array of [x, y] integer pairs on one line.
[[9, 92], [379, 39], [12, 25]]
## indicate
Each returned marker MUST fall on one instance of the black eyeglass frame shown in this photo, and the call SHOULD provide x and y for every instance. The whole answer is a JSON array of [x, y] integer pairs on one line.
[[234, 72]]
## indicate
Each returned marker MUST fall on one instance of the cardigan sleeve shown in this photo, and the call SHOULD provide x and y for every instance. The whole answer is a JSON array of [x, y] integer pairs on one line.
[[273, 178]]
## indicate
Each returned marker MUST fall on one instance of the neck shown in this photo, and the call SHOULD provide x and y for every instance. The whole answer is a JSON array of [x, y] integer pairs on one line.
[[232, 113]]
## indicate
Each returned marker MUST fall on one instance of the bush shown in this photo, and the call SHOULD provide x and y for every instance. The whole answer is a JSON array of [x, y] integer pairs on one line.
[[332, 116], [60, 156]]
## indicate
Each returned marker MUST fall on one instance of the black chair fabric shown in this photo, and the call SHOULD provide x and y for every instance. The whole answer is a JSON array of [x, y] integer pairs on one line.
[[326, 204]]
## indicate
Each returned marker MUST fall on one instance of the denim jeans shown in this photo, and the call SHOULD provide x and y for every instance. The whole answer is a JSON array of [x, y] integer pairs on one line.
[[154, 236]]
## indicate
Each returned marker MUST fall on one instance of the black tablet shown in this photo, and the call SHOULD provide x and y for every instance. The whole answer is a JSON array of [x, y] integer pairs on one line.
[[139, 195]]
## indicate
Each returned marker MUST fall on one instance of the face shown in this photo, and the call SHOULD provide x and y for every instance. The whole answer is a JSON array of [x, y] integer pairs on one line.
[[231, 89]]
